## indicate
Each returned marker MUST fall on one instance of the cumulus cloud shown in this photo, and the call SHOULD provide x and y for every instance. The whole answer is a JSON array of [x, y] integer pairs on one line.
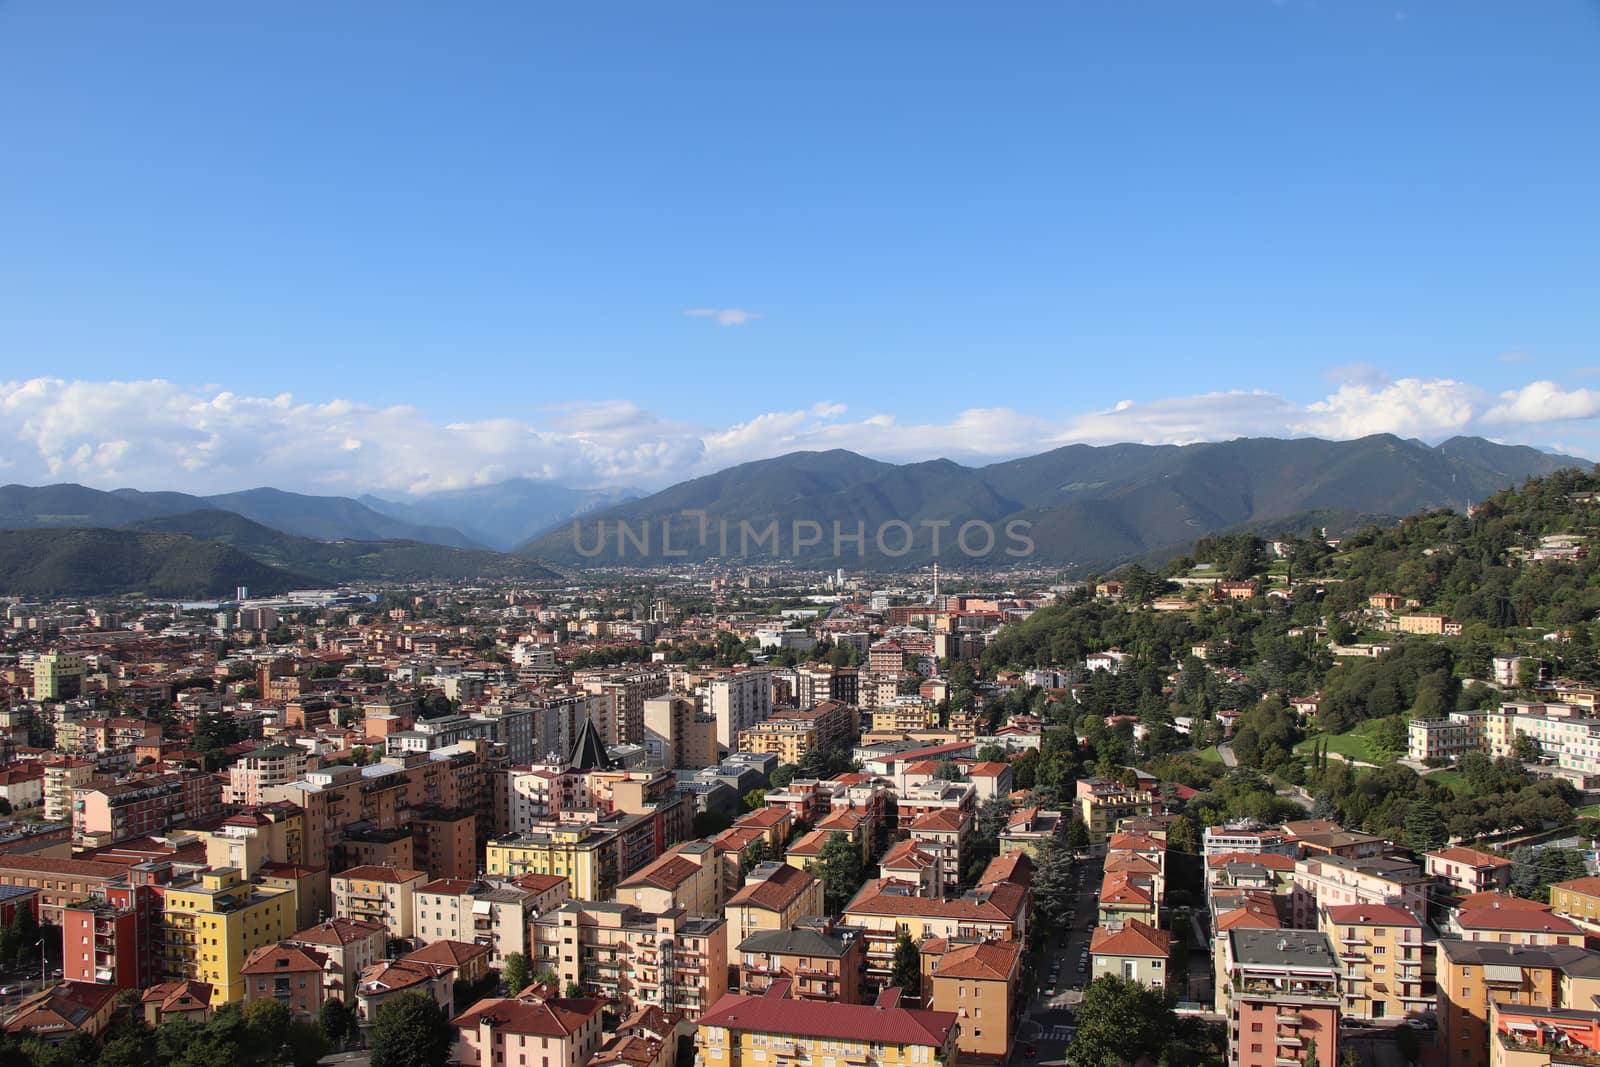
[[724, 316], [156, 434]]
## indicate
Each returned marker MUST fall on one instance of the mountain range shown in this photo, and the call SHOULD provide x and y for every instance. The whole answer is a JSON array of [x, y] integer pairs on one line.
[[503, 515], [1078, 505]]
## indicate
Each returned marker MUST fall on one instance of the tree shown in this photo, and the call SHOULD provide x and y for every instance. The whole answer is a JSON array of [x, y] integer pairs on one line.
[[337, 1021], [907, 973], [1425, 829], [991, 754], [1054, 889], [755, 800], [1077, 835], [783, 774], [411, 1031], [1183, 837], [1525, 749], [756, 854], [839, 866], [515, 972], [948, 771], [1120, 1022]]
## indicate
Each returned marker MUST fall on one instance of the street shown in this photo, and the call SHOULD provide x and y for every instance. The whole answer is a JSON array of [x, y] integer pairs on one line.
[[1048, 1022]]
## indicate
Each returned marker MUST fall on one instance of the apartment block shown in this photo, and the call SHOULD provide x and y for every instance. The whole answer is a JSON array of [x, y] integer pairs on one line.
[[211, 924], [822, 960], [384, 895], [1280, 992], [672, 960], [977, 983], [738, 700], [1468, 870], [744, 1031], [1383, 960]]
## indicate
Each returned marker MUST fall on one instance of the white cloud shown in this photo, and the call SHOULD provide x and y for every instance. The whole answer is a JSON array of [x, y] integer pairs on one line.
[[724, 316], [156, 434]]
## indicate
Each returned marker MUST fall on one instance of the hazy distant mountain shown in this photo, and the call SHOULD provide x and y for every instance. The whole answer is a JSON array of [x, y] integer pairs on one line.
[[503, 515], [340, 562], [1082, 504], [79, 562], [322, 517]]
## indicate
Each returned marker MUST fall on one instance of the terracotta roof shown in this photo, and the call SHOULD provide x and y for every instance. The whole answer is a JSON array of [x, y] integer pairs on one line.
[[1586, 886], [64, 1006], [1000, 902], [539, 883], [548, 1018], [809, 844], [1249, 917], [447, 953], [987, 769], [666, 872], [338, 931], [1015, 867], [992, 960], [1135, 843], [450, 887], [373, 873], [1372, 915], [764, 817], [943, 820], [848, 1022], [1119, 888], [184, 996], [1131, 863], [1515, 919], [904, 855], [282, 959], [777, 890], [1494, 898], [1134, 939], [1471, 857], [45, 865]]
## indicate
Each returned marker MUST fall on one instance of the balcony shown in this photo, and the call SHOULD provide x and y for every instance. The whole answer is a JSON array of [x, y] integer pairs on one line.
[[1560, 1053]]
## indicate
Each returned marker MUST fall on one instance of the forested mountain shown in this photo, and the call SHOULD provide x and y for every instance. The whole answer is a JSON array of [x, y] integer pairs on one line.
[[1080, 505]]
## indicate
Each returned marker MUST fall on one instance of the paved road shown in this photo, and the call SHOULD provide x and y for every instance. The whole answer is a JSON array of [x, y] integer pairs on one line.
[[1228, 758], [1048, 1022]]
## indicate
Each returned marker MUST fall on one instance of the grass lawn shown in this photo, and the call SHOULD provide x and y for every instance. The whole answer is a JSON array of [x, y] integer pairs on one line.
[[1357, 744], [1591, 811], [1454, 779], [1210, 755]]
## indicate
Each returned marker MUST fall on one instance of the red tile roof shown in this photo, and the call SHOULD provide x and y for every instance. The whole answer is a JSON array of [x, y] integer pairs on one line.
[[1515, 919], [989, 960], [847, 1022], [1471, 857], [550, 1018], [1134, 939], [776, 891], [371, 872], [1372, 915]]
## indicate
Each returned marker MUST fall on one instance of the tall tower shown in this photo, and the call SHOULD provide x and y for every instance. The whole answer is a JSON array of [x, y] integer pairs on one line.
[[935, 585]]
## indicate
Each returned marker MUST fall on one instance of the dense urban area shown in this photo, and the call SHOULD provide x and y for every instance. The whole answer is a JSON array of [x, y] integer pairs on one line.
[[1293, 797]]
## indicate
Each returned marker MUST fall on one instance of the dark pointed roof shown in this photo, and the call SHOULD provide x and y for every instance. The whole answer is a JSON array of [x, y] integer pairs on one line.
[[589, 752]]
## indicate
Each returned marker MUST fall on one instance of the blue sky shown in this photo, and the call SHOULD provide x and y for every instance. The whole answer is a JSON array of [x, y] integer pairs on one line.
[[465, 242]]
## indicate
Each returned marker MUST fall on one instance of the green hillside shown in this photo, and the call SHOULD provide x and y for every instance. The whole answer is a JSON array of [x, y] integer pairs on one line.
[[79, 562]]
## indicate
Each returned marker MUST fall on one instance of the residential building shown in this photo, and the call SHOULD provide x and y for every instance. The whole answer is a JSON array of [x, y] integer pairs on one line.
[[775, 896], [142, 806], [1450, 737], [592, 856], [821, 959], [1578, 901], [58, 676], [1280, 992], [379, 894], [738, 700], [676, 734], [977, 983], [1384, 962], [288, 974], [944, 834], [1476, 977], [745, 1031], [1469, 870], [1322, 882], [263, 768], [169, 1001], [1103, 803], [62, 775], [212, 923], [63, 1011], [995, 910], [528, 1031], [789, 732], [688, 877], [1136, 952], [672, 960], [349, 946]]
